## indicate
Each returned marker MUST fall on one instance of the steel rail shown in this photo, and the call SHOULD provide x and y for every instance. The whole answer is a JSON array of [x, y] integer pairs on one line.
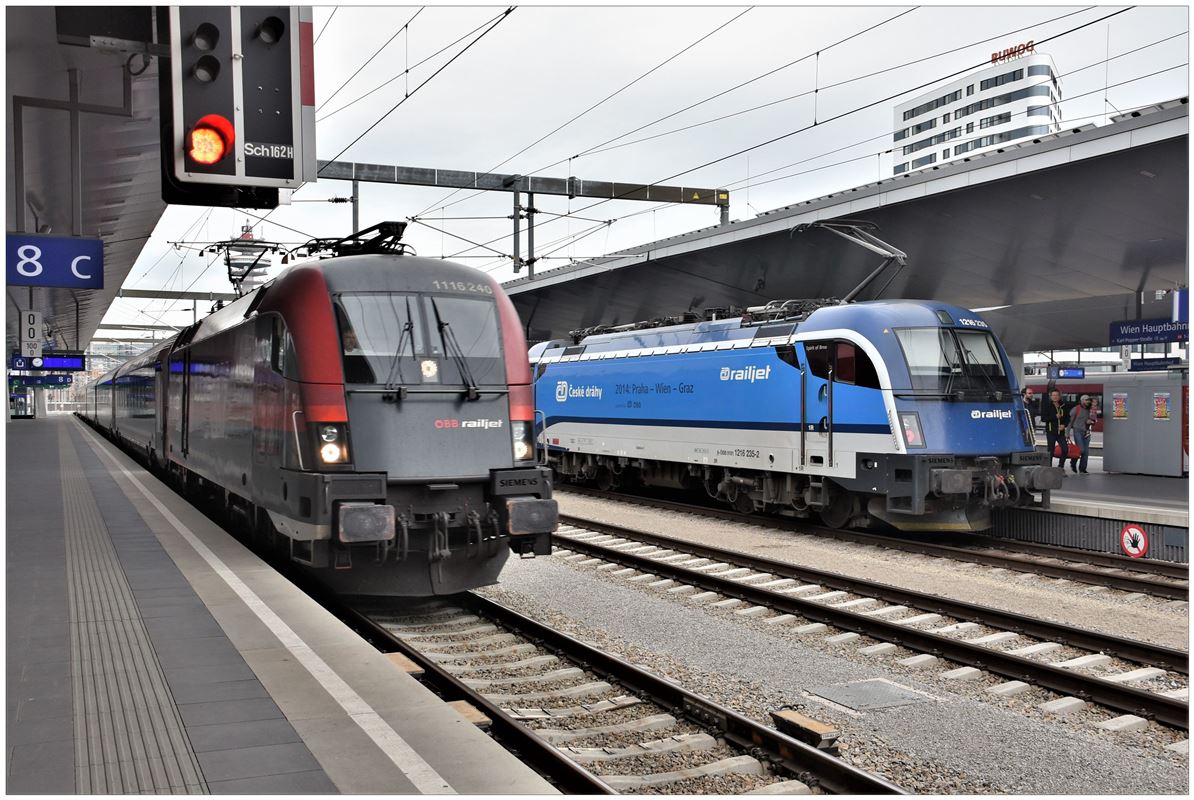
[[1128, 649], [1128, 700], [810, 765], [540, 754], [1077, 573]]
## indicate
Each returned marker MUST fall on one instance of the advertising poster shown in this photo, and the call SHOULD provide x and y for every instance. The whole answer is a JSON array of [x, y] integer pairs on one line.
[[1160, 405], [1119, 405]]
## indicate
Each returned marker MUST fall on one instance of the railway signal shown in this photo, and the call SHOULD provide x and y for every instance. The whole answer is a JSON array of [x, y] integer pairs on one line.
[[238, 104]]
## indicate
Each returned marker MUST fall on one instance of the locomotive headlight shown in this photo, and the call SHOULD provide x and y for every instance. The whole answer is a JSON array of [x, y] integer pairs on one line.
[[524, 440], [910, 422], [333, 443]]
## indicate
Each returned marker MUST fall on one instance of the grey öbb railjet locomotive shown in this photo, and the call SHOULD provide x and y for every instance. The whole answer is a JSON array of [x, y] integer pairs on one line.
[[371, 414]]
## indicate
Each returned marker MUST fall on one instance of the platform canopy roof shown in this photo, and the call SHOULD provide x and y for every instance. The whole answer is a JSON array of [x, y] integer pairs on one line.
[[118, 147], [1061, 234]]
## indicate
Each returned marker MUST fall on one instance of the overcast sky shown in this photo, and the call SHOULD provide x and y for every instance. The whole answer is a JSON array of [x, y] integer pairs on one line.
[[541, 66]]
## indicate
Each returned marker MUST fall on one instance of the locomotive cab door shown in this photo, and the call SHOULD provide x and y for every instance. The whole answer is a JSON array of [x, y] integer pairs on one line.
[[834, 370], [817, 435]]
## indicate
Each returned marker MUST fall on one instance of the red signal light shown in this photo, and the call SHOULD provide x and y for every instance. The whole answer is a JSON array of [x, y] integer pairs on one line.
[[210, 140]]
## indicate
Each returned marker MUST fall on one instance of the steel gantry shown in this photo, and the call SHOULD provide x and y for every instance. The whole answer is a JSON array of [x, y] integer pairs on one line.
[[518, 185]]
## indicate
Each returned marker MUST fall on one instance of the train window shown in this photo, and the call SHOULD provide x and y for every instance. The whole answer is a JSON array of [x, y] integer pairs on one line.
[[844, 362], [854, 366], [932, 357], [949, 361], [850, 363], [471, 325], [980, 352], [380, 334], [277, 349]]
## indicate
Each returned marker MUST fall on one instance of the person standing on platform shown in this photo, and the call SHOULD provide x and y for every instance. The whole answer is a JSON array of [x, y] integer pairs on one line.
[[1056, 419], [1030, 404], [1082, 421]]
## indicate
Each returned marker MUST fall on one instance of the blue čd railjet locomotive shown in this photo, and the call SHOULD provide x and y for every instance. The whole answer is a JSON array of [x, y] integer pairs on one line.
[[370, 414], [901, 411]]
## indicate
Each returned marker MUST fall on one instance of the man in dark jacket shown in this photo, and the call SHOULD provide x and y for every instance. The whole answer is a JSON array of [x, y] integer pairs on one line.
[[1082, 421], [1056, 418]]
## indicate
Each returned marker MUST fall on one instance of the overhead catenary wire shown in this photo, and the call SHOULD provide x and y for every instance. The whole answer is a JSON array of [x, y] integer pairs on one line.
[[369, 60], [780, 68], [496, 21], [431, 77], [567, 240], [852, 111], [408, 70], [834, 118], [852, 36], [601, 149], [599, 103], [166, 252], [755, 79], [697, 167], [434, 206], [325, 27], [593, 149], [869, 155], [457, 236], [886, 135]]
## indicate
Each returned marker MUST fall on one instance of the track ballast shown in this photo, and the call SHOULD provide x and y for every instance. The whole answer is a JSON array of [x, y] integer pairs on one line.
[[779, 586], [455, 644], [1151, 577]]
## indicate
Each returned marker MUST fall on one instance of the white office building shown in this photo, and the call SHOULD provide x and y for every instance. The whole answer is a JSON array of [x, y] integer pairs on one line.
[[1001, 104]]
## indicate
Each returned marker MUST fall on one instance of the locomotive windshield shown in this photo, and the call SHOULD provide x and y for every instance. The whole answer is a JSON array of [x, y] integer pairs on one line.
[[947, 361], [405, 339]]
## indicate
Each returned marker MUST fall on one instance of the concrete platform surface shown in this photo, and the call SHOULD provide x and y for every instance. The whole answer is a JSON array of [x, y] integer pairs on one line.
[[150, 652], [1145, 498]]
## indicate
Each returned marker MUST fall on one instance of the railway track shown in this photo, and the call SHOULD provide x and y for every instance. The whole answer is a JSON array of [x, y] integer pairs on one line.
[[898, 617], [1151, 577], [589, 720]]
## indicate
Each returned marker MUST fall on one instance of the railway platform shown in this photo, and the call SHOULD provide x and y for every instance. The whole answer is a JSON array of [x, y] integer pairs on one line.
[[1090, 511], [149, 652]]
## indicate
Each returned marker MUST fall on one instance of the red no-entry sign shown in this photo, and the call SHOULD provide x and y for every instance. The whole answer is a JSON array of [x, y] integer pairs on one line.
[[1134, 540]]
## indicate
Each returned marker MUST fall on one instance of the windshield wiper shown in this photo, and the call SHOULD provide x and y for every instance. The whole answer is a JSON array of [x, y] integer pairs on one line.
[[949, 384], [452, 347], [995, 393], [407, 335]]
